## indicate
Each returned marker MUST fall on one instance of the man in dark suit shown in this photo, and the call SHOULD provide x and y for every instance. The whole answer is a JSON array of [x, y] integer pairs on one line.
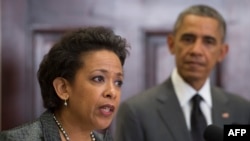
[[164, 111]]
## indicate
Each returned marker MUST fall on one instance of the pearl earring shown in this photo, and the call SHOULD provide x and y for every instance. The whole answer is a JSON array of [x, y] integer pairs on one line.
[[65, 103]]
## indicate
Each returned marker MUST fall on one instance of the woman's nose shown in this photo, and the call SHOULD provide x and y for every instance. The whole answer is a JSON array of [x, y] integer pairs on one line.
[[110, 91]]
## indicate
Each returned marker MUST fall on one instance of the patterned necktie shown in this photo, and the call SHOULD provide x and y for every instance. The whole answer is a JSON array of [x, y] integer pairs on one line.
[[198, 121]]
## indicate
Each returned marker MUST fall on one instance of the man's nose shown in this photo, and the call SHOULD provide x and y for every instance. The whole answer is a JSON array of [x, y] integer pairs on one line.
[[197, 47]]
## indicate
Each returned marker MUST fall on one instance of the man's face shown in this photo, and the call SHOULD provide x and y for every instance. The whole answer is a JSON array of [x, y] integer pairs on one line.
[[197, 46]]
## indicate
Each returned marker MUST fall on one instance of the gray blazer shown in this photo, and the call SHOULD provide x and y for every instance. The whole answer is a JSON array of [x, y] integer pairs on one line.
[[156, 114], [42, 129]]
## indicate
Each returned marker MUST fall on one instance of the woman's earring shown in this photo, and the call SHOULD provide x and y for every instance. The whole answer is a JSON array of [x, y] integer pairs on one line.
[[65, 103]]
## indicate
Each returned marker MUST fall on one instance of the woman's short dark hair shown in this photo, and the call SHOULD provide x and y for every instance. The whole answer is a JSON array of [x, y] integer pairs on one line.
[[63, 59]]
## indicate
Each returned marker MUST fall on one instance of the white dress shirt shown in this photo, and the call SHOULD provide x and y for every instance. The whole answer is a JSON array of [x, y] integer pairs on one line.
[[185, 93]]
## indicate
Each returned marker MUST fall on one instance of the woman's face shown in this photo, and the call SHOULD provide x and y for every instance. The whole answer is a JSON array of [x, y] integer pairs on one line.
[[94, 95]]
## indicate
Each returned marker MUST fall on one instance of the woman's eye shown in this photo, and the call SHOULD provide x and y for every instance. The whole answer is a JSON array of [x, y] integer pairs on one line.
[[119, 83], [98, 79]]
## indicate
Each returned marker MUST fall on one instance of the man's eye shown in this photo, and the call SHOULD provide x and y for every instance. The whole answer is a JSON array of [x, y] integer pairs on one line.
[[209, 41], [187, 39], [98, 79]]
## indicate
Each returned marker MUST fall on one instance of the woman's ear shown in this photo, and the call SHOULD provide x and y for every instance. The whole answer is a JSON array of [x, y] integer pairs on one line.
[[60, 86]]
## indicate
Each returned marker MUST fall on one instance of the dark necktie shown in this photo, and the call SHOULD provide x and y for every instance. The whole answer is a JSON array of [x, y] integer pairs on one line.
[[198, 121]]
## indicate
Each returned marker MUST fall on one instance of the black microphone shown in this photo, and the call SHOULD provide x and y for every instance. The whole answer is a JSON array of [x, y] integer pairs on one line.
[[213, 133]]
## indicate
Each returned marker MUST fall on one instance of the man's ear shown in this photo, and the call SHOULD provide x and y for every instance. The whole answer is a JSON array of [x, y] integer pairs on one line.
[[223, 52], [60, 86], [170, 43]]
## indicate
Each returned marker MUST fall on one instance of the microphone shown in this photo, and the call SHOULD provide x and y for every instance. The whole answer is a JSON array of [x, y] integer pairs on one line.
[[213, 133]]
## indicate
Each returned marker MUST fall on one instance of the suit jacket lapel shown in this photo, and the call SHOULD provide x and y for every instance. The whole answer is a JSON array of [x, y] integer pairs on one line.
[[220, 112], [171, 113]]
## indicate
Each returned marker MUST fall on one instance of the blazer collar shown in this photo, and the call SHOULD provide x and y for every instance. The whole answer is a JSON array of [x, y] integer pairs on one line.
[[49, 127]]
